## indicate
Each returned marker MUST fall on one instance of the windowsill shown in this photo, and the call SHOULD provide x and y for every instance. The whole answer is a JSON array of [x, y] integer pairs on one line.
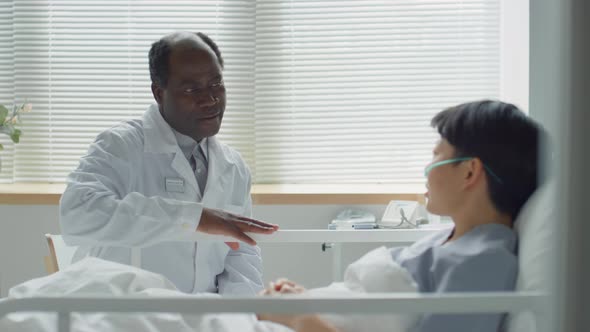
[[262, 194]]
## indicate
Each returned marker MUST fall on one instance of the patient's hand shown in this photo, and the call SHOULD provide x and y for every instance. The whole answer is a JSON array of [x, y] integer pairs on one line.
[[299, 323], [283, 286]]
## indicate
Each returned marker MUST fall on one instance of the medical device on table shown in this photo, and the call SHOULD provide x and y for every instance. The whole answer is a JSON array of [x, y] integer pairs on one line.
[[403, 214], [353, 219], [397, 215]]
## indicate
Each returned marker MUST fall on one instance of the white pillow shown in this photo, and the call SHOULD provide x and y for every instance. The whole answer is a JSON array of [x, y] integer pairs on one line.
[[536, 245], [377, 272]]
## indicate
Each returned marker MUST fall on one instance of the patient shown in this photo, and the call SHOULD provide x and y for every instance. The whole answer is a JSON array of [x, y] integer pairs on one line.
[[483, 170]]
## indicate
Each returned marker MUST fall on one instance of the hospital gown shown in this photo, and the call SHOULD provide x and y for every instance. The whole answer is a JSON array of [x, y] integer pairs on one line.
[[481, 260]]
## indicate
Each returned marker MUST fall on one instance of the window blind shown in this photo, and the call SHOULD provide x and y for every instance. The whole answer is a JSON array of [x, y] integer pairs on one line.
[[345, 89], [6, 84], [318, 91], [84, 67]]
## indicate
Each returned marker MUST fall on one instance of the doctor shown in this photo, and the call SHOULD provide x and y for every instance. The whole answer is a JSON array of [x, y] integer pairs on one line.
[[147, 181]]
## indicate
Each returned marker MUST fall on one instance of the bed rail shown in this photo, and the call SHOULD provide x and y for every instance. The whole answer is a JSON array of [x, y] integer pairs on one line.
[[403, 303]]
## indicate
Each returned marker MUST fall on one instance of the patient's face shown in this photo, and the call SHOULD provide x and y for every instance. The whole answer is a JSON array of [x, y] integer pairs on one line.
[[444, 183]]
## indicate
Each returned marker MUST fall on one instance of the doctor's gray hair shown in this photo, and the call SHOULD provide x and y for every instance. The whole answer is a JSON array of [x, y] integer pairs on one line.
[[159, 55], [505, 139]]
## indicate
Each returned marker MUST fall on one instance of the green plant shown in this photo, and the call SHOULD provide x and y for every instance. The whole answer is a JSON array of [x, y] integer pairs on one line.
[[10, 120]]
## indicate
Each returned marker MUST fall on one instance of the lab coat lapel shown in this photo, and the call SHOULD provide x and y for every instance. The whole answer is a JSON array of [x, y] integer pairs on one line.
[[159, 138], [182, 167], [218, 171]]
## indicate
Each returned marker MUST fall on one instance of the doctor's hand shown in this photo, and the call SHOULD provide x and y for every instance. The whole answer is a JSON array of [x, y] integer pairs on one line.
[[224, 223]]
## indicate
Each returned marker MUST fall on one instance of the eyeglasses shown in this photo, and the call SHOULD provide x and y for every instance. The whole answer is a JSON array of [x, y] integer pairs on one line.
[[456, 160]]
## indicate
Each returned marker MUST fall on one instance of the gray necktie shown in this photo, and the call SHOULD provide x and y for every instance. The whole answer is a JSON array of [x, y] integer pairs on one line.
[[199, 164]]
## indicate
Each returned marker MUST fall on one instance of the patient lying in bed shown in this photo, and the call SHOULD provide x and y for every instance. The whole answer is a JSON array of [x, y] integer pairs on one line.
[[483, 170]]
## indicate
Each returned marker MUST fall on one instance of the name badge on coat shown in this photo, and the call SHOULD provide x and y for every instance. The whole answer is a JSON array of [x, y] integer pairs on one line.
[[174, 185]]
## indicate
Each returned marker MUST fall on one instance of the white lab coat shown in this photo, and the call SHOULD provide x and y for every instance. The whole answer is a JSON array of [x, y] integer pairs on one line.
[[127, 191]]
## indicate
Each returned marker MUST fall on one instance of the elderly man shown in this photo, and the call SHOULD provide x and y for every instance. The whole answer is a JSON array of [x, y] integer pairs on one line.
[[148, 181]]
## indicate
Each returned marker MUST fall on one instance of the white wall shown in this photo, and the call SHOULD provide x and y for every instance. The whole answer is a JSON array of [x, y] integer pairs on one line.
[[22, 244], [514, 53], [560, 82]]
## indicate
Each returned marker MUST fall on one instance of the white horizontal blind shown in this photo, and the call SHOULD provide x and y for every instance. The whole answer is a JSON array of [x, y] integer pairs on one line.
[[345, 89], [318, 91], [84, 66], [6, 83]]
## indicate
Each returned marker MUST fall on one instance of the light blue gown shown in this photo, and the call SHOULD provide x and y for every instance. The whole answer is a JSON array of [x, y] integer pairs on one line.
[[481, 260]]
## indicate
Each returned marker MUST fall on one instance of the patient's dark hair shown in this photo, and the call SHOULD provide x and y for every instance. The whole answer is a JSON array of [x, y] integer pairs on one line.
[[504, 139], [160, 53]]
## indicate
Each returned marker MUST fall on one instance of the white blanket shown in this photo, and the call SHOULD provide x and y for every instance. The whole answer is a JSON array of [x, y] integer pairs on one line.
[[374, 272], [93, 276]]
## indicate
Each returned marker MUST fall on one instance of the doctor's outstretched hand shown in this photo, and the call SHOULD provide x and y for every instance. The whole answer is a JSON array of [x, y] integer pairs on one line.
[[224, 223]]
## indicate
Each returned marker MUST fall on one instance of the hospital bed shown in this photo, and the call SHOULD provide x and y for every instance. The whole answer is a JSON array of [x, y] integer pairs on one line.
[[529, 305]]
